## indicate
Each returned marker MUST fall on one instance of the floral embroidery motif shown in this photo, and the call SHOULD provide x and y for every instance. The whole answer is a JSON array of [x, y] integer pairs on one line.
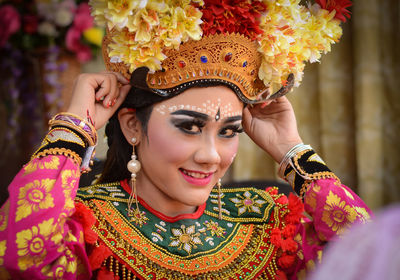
[[64, 264], [4, 215], [247, 203], [31, 244], [33, 197], [2, 251], [69, 180], [138, 217], [214, 228], [51, 162], [362, 214], [337, 215], [185, 238]]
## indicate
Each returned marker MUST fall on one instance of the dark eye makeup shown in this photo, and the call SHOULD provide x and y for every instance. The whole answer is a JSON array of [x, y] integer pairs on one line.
[[195, 126]]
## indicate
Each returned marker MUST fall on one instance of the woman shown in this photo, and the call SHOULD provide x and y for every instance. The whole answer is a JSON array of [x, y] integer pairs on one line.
[[172, 133]]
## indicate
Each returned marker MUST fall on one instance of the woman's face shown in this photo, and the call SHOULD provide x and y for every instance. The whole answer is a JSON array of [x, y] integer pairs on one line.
[[191, 141]]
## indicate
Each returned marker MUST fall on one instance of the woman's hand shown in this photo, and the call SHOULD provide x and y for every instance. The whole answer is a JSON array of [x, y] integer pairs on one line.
[[272, 127], [98, 96]]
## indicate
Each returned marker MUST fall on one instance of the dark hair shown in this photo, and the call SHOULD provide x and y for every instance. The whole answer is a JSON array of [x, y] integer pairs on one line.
[[119, 151]]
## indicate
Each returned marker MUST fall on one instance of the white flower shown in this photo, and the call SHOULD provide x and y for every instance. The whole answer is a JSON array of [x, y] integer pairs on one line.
[[63, 17], [48, 29]]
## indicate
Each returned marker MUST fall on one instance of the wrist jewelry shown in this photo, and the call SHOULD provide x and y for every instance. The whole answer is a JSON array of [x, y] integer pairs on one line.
[[289, 155], [85, 129]]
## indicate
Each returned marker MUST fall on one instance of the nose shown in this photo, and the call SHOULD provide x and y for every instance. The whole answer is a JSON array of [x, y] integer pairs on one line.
[[207, 152]]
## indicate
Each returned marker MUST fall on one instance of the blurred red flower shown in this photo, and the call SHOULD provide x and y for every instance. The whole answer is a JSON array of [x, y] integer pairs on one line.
[[340, 6]]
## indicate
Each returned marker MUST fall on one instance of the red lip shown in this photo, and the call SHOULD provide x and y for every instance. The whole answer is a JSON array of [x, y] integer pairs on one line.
[[197, 181]]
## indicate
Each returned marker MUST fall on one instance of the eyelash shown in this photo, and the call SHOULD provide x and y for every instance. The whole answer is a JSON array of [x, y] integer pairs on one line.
[[187, 126], [234, 128]]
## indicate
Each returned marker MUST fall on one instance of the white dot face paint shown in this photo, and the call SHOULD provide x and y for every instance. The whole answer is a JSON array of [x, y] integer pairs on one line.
[[208, 107]]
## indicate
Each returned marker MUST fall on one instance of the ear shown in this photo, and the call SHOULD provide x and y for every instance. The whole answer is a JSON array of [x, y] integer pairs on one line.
[[130, 125]]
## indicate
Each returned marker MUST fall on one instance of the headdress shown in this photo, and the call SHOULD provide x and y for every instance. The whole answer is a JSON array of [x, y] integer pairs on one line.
[[257, 47]]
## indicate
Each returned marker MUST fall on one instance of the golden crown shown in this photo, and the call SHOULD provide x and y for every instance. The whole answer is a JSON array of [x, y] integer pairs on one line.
[[255, 47]]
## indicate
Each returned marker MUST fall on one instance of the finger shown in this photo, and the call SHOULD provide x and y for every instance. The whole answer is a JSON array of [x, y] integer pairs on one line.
[[113, 93], [104, 86], [246, 118]]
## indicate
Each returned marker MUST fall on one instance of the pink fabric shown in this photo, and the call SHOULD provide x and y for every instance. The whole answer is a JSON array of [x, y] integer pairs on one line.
[[331, 209], [38, 237]]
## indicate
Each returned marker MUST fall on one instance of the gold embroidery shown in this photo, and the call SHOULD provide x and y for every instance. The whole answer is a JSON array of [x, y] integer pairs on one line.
[[33, 197], [337, 215], [2, 251], [59, 151], [362, 214], [30, 244], [4, 215], [246, 203], [50, 162], [70, 179], [185, 238]]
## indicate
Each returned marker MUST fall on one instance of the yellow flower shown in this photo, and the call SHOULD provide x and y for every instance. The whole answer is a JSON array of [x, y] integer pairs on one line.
[[94, 35], [31, 244], [118, 11], [98, 10], [337, 215], [50, 162], [69, 179], [33, 197]]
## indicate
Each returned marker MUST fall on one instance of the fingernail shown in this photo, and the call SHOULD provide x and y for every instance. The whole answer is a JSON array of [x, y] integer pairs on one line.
[[109, 104], [113, 102], [263, 105]]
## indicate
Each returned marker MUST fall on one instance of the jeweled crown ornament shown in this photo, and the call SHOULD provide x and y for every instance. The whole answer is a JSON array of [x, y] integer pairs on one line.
[[258, 48]]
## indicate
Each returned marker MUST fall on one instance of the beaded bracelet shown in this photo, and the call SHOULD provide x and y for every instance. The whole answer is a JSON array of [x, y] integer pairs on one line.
[[68, 119]]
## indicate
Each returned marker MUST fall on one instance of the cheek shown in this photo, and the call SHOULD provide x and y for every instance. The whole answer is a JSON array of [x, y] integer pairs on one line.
[[165, 145], [229, 152]]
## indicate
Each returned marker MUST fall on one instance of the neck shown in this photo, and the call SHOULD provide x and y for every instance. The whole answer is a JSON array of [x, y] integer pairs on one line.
[[159, 201]]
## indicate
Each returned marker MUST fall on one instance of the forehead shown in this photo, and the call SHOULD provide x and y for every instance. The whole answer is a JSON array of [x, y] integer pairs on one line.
[[207, 100]]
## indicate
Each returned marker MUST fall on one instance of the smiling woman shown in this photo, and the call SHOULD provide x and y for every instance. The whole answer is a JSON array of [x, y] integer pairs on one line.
[[173, 103]]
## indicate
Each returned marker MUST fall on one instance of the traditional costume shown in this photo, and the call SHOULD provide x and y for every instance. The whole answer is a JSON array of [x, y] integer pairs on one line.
[[51, 229]]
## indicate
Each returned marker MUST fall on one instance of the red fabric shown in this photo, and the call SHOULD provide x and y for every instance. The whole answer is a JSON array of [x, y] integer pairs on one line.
[[105, 274], [85, 216], [98, 255]]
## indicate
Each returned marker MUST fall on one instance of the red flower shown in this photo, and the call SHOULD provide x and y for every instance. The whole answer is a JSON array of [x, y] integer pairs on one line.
[[339, 6], [83, 20], [73, 43], [10, 23], [232, 16]]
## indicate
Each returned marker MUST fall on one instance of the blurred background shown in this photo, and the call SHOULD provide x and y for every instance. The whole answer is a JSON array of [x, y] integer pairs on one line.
[[348, 106]]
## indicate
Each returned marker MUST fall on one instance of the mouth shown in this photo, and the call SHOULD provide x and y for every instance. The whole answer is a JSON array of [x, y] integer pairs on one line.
[[196, 177]]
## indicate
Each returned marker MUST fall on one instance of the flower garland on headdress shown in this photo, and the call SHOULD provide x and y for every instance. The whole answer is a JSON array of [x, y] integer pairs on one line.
[[289, 34]]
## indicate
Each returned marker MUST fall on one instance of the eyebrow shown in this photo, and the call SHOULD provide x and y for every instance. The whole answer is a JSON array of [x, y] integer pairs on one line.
[[194, 114], [203, 116]]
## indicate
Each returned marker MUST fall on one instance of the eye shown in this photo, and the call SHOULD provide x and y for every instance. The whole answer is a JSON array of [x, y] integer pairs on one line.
[[190, 127], [230, 131]]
